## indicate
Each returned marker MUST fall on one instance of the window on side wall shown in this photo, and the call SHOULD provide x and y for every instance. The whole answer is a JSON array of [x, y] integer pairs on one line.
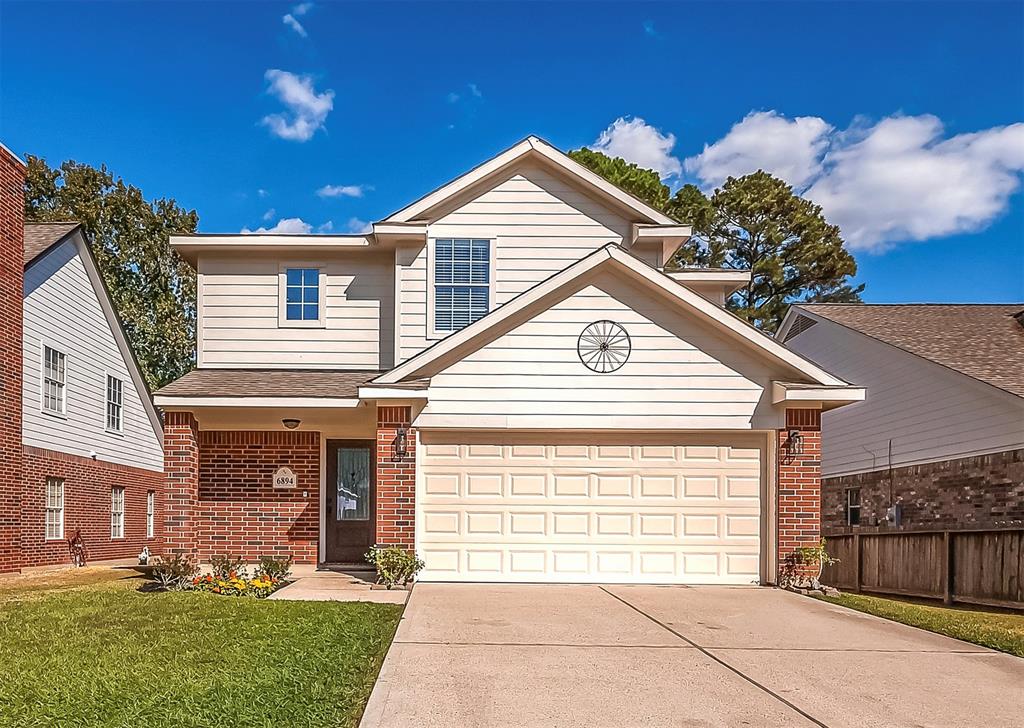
[[462, 282], [117, 512], [54, 509], [853, 507], [54, 381], [301, 299], [115, 404], [150, 513]]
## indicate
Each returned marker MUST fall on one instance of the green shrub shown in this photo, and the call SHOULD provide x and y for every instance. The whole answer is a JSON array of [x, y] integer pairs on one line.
[[225, 567], [277, 568], [175, 573], [394, 565]]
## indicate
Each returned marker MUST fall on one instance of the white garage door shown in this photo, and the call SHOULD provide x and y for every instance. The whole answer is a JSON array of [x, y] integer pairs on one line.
[[541, 509]]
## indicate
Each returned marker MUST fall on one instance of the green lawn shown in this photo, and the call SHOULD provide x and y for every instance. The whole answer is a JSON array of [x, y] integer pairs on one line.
[[88, 649], [999, 630]]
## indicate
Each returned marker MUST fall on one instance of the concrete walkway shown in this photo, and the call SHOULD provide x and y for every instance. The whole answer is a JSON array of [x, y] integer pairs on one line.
[[622, 656], [337, 586]]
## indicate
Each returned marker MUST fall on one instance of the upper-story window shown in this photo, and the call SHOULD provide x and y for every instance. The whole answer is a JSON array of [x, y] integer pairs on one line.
[[462, 282], [302, 302], [54, 381], [115, 404]]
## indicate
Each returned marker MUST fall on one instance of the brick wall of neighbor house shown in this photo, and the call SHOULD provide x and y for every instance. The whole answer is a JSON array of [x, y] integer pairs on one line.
[[240, 512], [181, 470], [799, 483], [985, 491], [396, 479], [12, 270], [87, 486]]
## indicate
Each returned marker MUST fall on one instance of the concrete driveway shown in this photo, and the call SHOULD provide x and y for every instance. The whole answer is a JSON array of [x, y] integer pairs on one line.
[[503, 655]]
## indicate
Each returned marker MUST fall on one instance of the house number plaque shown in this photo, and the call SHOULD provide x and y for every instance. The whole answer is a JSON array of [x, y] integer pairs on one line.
[[285, 478]]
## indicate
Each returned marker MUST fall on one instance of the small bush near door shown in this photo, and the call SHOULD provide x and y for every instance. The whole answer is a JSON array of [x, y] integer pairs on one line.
[[394, 565]]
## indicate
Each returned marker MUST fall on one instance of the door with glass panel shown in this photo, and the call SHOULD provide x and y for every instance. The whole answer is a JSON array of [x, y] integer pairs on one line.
[[350, 497]]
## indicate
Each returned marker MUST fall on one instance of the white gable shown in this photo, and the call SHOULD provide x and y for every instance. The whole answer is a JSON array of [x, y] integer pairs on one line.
[[63, 311], [681, 372]]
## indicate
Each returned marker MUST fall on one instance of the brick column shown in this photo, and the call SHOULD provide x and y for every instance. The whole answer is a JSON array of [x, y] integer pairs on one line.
[[181, 469], [396, 479], [12, 274], [799, 486]]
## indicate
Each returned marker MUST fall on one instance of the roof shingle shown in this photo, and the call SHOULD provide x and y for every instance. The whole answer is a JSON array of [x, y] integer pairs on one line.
[[268, 383], [41, 236], [983, 341]]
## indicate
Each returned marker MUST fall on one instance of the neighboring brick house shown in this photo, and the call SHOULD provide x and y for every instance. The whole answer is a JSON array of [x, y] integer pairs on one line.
[[939, 444], [503, 377], [82, 443]]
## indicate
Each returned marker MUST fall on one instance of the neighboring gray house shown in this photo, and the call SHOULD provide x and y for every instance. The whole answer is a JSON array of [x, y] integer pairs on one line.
[[941, 434]]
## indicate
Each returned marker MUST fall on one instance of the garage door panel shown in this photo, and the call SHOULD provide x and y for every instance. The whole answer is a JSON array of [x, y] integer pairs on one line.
[[614, 512]]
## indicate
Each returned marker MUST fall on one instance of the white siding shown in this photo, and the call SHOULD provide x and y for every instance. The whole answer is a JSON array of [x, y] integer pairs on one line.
[[681, 374], [62, 311], [540, 223], [929, 412], [239, 313]]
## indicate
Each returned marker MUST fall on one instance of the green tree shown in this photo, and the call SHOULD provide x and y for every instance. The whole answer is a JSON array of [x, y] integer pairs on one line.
[[754, 222], [153, 289], [757, 223]]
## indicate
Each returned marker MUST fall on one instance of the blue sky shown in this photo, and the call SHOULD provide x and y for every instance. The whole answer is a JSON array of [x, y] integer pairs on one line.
[[899, 118]]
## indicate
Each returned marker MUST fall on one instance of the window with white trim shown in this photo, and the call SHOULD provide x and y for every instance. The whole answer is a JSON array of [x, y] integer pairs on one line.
[[115, 403], [54, 381], [54, 508], [853, 506], [302, 294], [150, 513], [117, 512], [462, 282]]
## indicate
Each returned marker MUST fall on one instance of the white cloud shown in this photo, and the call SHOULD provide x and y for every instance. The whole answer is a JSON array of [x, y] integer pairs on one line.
[[285, 226], [326, 227], [360, 227], [649, 29], [262, 192], [475, 90], [343, 190], [788, 148], [636, 141], [269, 214], [291, 19], [453, 98], [307, 110], [895, 181]]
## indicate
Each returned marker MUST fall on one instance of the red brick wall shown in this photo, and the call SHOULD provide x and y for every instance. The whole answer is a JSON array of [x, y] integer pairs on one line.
[[181, 468], [12, 273], [396, 479], [240, 512], [87, 485], [799, 484]]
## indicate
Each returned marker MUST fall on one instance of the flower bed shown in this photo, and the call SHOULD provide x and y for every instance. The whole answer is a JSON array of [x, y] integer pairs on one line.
[[260, 586]]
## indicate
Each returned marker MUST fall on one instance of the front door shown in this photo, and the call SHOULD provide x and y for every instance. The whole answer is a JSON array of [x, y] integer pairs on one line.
[[350, 500]]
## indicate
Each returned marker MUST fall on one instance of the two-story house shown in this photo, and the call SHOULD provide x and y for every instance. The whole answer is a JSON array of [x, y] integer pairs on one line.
[[501, 376], [82, 442]]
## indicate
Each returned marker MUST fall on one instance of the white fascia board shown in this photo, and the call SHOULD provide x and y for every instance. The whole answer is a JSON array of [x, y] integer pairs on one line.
[[172, 402], [801, 392], [715, 314], [370, 393], [190, 246], [659, 232], [529, 145], [728, 281], [416, 231]]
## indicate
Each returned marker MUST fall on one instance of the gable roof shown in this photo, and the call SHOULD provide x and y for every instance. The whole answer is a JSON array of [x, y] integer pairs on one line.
[[982, 341], [613, 255], [40, 239], [41, 236], [536, 147]]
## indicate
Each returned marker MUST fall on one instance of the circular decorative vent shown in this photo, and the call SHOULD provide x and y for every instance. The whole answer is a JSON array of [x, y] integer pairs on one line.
[[603, 346]]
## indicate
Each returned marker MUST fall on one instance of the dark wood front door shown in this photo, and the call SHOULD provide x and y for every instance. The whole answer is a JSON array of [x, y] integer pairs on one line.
[[351, 493]]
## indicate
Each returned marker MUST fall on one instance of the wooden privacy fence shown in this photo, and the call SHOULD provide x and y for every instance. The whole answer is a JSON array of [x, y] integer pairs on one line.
[[973, 567]]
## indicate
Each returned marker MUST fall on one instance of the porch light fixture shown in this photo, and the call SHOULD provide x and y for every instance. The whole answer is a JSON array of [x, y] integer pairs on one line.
[[794, 443], [401, 446], [290, 423]]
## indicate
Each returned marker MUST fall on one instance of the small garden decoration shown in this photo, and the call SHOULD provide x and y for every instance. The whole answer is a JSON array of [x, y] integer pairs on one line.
[[394, 565], [228, 576], [794, 574]]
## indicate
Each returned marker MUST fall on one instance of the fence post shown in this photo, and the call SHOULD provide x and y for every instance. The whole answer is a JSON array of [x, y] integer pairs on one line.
[[856, 563], [947, 567]]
